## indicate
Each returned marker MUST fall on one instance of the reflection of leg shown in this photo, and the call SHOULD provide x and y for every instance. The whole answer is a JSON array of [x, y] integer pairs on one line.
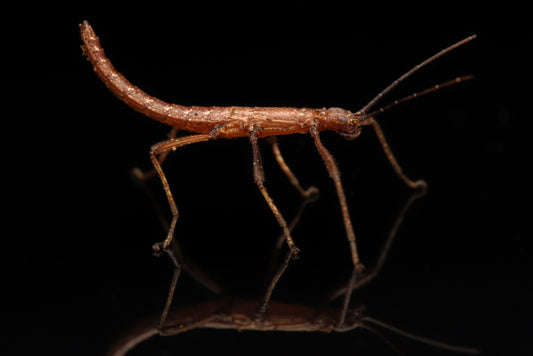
[[309, 195], [388, 243], [188, 266], [175, 255], [347, 298], [179, 261], [423, 340], [172, 288], [353, 284], [259, 178], [266, 299], [419, 184]]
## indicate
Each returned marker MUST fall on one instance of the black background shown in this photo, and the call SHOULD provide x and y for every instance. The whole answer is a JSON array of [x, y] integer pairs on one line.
[[77, 268]]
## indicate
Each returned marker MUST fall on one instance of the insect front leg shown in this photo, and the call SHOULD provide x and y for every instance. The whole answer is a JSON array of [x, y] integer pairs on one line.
[[336, 176], [419, 184], [162, 148], [372, 272]]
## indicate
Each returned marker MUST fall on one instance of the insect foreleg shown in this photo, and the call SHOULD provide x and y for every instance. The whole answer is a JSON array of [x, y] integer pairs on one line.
[[336, 176], [419, 184], [372, 272]]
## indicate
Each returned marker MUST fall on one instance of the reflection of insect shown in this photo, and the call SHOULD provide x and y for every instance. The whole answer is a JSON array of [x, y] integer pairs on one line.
[[238, 314], [211, 123]]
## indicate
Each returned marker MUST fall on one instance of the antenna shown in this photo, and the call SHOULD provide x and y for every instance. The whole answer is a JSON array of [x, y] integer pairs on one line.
[[373, 102], [420, 93]]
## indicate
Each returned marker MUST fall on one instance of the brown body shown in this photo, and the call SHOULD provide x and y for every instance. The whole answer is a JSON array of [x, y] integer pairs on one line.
[[226, 122]]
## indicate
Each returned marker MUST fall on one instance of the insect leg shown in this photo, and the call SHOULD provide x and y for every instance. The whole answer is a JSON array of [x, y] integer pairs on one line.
[[308, 195], [419, 184], [172, 288], [259, 178], [188, 266], [162, 148], [266, 298], [179, 261], [336, 176], [141, 176], [311, 192], [371, 273], [174, 252]]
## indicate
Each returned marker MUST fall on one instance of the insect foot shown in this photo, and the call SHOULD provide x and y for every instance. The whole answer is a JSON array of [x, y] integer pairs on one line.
[[312, 193], [295, 253], [420, 185], [158, 248], [359, 268]]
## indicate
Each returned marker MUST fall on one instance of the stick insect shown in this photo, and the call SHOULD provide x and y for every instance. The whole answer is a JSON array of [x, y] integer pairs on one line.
[[211, 123], [240, 314]]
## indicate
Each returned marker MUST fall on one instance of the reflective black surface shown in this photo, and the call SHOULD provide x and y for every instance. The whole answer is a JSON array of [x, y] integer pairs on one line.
[[76, 261]]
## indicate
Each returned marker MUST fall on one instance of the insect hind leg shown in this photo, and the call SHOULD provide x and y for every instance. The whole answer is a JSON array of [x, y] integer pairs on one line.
[[141, 177], [163, 148]]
